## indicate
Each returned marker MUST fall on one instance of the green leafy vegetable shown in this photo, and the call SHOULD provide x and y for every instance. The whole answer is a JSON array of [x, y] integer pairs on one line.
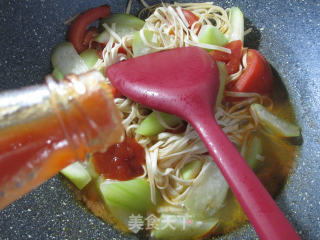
[[77, 174], [212, 35], [278, 126], [254, 149], [65, 58], [133, 195], [237, 25], [90, 57], [57, 74], [103, 37], [223, 76], [124, 24], [151, 126], [182, 227], [91, 169], [139, 48], [191, 170], [208, 193]]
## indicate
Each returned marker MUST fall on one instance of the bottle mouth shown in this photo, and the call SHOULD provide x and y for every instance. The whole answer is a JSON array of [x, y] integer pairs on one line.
[[24, 105]]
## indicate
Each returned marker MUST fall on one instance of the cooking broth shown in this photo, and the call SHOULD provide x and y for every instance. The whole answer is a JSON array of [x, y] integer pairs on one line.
[[273, 171]]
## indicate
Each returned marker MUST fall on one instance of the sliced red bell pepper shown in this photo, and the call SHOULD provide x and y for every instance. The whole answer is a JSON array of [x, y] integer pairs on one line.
[[80, 24], [257, 76], [90, 34], [232, 60]]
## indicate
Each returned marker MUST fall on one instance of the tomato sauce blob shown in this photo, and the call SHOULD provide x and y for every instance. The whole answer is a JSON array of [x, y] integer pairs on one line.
[[122, 161]]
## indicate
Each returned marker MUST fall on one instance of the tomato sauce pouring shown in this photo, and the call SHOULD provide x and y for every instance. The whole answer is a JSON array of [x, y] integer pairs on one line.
[[62, 125]]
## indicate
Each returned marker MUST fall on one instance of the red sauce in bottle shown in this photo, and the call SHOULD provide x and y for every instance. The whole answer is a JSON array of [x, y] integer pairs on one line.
[[36, 149], [122, 161]]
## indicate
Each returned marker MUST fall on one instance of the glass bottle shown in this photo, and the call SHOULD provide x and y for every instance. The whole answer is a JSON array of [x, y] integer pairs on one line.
[[46, 127]]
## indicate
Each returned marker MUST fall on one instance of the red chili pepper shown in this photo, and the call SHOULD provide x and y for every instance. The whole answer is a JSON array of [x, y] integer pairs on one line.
[[80, 24]]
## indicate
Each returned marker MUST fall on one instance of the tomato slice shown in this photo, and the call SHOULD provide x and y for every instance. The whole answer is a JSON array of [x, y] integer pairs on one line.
[[190, 17], [257, 76], [233, 66], [220, 56], [79, 25], [232, 60]]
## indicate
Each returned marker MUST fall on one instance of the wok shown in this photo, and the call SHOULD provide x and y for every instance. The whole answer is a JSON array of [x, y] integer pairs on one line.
[[286, 32]]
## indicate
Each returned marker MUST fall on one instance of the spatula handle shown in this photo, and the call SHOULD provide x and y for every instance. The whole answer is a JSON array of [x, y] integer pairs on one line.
[[264, 214]]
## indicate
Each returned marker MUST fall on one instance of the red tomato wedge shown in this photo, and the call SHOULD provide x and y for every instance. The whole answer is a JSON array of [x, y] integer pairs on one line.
[[257, 76], [80, 24], [220, 56], [190, 16], [232, 60]]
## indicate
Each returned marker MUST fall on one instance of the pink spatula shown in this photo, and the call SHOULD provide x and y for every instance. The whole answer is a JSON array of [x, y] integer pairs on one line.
[[185, 82]]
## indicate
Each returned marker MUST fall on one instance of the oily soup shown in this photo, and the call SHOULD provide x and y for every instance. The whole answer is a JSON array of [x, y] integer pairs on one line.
[[272, 172]]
